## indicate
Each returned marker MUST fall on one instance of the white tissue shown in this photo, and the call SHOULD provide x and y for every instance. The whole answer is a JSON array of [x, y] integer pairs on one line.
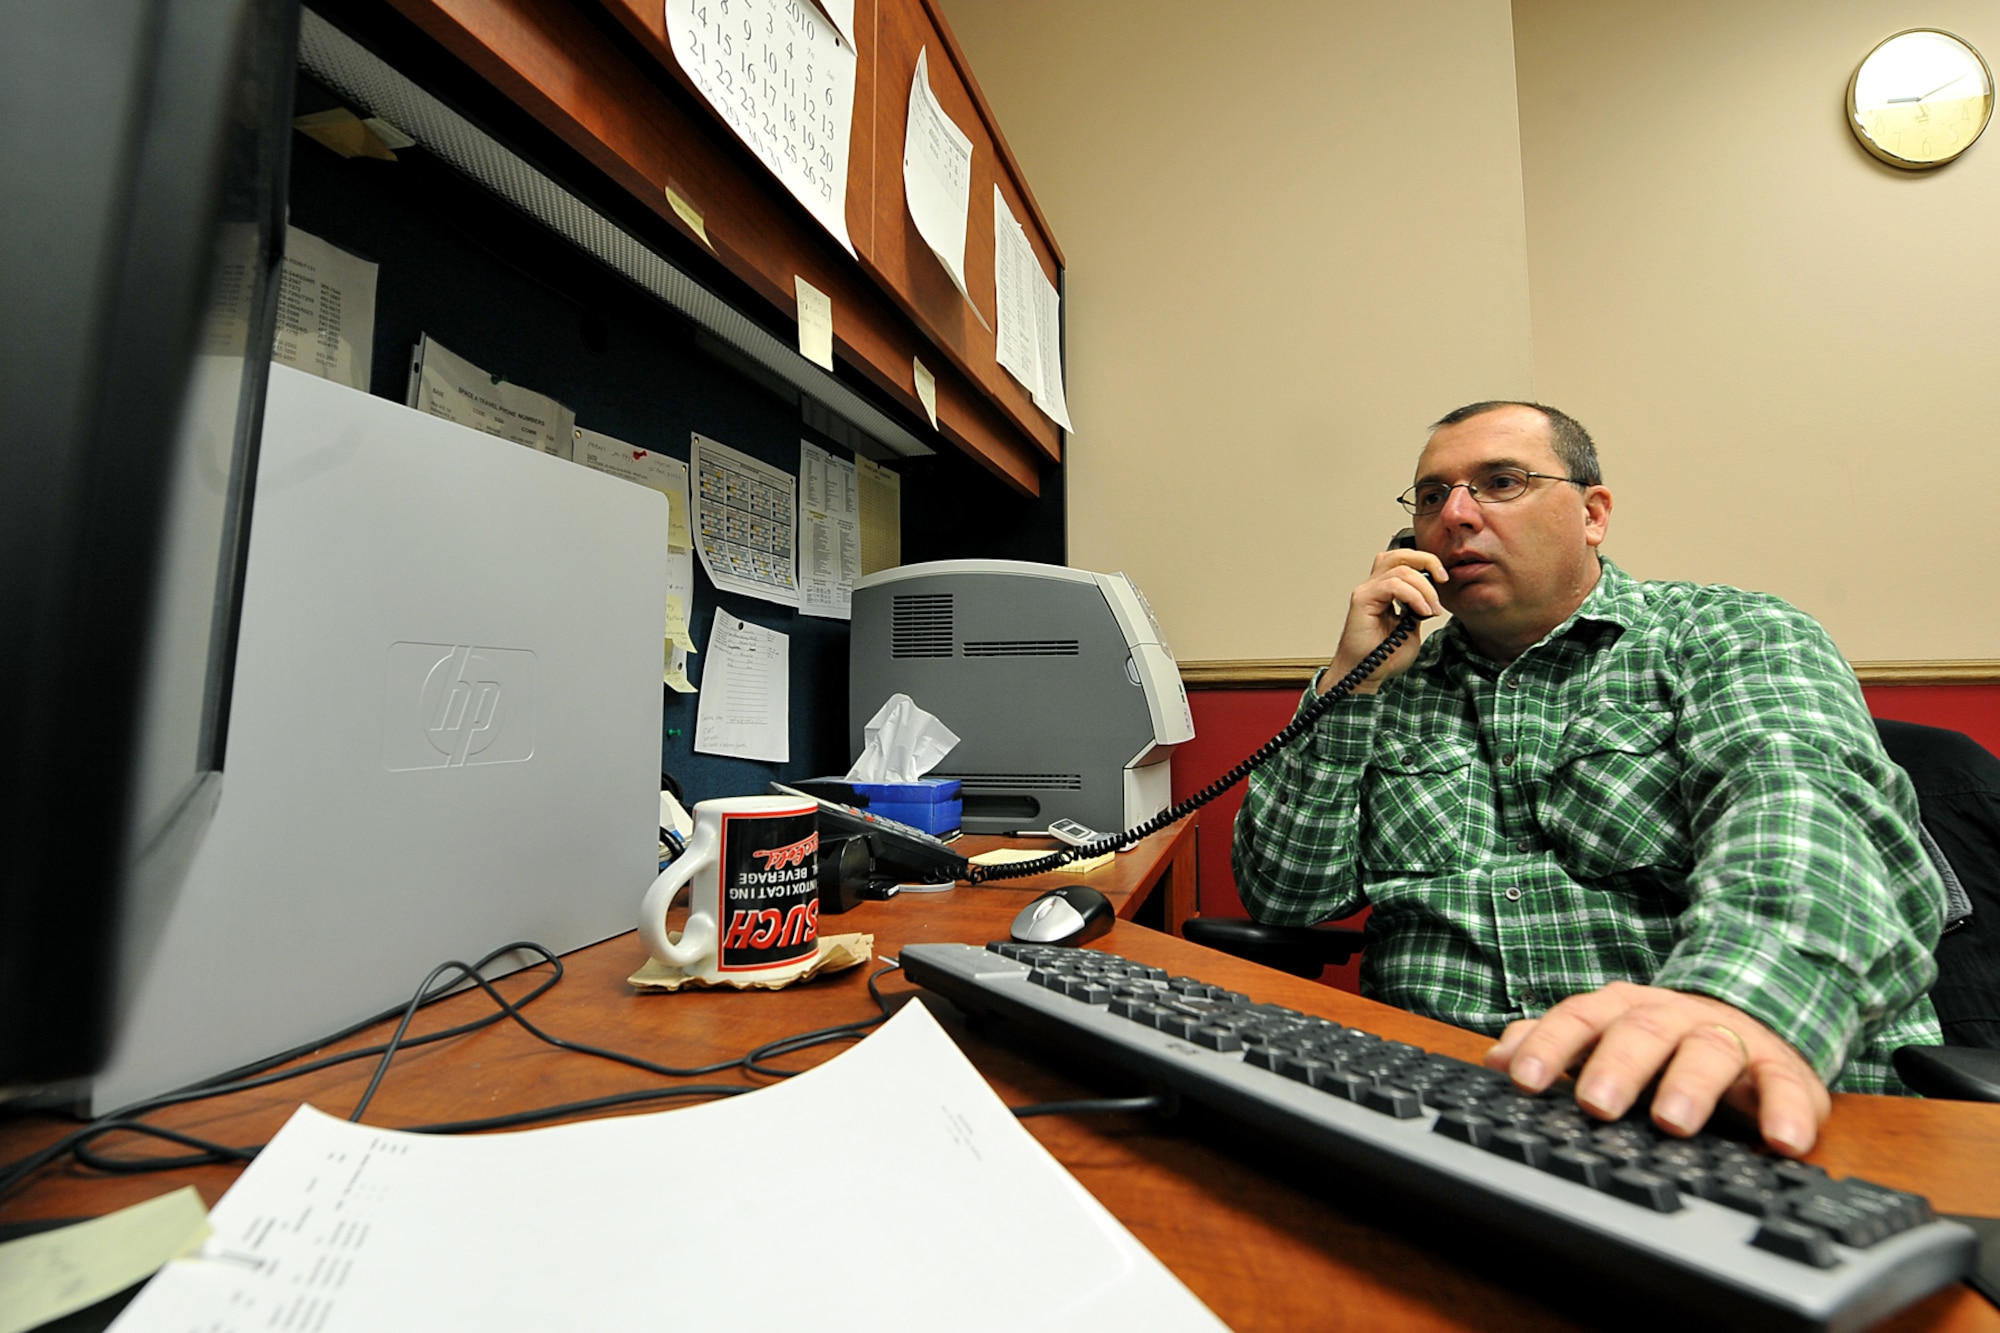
[[902, 743]]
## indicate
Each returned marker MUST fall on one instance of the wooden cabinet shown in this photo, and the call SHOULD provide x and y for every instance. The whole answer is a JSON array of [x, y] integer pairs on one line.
[[624, 104]]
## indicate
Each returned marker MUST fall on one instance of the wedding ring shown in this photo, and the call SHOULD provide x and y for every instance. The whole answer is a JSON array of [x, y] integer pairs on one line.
[[1734, 1036]]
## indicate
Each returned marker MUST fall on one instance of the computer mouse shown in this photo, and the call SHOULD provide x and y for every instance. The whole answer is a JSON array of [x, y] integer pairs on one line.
[[1069, 915]]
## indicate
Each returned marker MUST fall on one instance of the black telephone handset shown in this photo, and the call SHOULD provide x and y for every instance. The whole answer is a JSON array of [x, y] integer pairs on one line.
[[1297, 727]]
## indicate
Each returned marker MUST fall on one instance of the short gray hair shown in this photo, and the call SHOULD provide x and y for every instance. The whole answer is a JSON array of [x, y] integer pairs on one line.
[[1570, 440]]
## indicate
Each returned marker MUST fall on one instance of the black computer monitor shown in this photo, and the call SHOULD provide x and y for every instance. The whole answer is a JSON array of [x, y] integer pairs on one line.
[[143, 154]]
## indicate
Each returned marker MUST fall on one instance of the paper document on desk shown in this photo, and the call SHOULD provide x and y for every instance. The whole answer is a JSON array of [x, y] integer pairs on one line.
[[701, 1218]]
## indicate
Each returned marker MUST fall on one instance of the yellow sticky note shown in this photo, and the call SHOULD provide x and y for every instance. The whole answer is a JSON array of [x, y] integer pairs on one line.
[[926, 389], [688, 214], [678, 537], [54, 1273], [677, 624], [344, 132], [815, 323], [1006, 856]]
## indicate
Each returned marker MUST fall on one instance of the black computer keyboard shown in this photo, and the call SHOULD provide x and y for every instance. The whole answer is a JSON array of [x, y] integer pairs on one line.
[[1709, 1223]]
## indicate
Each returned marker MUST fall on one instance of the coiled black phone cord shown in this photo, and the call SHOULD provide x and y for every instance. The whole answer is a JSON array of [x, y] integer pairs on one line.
[[1297, 727]]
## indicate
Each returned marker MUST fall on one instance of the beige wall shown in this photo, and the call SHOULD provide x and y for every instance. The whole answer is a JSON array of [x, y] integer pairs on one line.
[[1294, 234], [1298, 233], [1786, 349]]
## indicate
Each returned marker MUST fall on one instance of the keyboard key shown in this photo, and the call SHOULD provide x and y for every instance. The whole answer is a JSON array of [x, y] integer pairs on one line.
[[1520, 1145], [1465, 1126], [1795, 1240], [1301, 1068], [1390, 1100], [1648, 1189], [1847, 1224], [1747, 1198], [1581, 1165], [1216, 1039]]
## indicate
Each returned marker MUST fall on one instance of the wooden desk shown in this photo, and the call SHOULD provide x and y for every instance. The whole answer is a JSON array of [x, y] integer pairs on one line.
[[1262, 1248]]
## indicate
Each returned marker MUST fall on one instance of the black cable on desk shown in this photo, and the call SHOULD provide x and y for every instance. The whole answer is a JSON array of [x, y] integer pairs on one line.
[[771, 1050], [252, 1076], [508, 1009]]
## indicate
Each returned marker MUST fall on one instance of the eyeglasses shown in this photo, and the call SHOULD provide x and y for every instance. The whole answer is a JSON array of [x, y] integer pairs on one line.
[[1500, 485]]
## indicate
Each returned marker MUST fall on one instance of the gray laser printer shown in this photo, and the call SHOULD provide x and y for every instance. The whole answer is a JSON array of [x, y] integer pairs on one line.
[[1063, 691]]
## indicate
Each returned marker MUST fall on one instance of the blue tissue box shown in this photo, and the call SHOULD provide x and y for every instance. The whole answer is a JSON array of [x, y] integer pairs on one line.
[[930, 804]]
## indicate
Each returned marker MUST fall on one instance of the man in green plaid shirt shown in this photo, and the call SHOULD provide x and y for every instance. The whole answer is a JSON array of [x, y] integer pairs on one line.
[[1649, 824]]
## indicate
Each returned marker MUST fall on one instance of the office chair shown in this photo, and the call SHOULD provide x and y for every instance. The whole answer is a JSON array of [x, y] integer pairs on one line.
[[1958, 792]]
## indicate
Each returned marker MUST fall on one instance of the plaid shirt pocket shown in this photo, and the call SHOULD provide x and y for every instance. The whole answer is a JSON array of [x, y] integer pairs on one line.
[[1610, 805], [1418, 806]]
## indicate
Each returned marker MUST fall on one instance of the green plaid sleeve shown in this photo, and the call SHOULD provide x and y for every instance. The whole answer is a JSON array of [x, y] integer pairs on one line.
[[1294, 849], [1812, 905]]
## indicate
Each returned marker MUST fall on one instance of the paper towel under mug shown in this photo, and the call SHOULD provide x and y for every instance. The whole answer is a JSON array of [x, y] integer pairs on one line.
[[753, 862]]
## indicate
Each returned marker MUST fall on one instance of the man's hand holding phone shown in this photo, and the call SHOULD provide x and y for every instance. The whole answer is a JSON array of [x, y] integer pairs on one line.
[[1402, 578]]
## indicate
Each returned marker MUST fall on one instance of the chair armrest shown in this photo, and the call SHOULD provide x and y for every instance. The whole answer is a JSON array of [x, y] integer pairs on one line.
[[1303, 951], [1963, 1073]]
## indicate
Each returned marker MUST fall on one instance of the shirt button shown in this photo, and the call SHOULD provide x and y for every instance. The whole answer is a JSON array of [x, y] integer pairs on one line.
[[1514, 895], [1525, 845], [1514, 682], [1529, 997], [1507, 759]]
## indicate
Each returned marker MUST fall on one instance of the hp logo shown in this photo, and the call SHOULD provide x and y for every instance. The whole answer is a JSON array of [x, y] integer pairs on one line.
[[455, 705]]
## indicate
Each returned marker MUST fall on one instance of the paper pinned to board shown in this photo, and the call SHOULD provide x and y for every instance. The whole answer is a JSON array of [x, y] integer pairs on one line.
[[53, 1273], [829, 533], [937, 175], [779, 75], [431, 1231], [668, 476], [446, 385], [881, 497], [326, 311], [745, 515], [745, 705]]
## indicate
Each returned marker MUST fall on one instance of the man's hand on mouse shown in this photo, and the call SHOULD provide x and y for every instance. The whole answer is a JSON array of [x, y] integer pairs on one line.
[[1397, 581], [1709, 1050]]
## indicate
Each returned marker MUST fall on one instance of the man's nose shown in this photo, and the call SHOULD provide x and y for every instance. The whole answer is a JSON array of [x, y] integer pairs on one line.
[[1460, 509]]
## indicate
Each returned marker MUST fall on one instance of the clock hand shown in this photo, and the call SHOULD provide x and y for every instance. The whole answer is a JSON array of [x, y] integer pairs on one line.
[[1932, 93]]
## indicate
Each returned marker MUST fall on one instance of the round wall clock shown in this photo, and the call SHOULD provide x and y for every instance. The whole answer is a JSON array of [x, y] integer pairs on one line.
[[1920, 99]]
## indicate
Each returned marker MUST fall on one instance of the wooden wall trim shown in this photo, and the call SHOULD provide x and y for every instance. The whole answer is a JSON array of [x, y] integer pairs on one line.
[[1976, 671], [1293, 673]]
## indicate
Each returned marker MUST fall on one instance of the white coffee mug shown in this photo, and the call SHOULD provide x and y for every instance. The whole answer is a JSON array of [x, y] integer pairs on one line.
[[754, 909]]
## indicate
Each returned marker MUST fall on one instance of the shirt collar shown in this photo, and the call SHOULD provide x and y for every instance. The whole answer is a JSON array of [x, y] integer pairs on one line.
[[1616, 603]]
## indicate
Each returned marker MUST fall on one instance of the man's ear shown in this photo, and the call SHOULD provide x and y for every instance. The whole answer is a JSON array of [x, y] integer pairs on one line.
[[1596, 514]]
